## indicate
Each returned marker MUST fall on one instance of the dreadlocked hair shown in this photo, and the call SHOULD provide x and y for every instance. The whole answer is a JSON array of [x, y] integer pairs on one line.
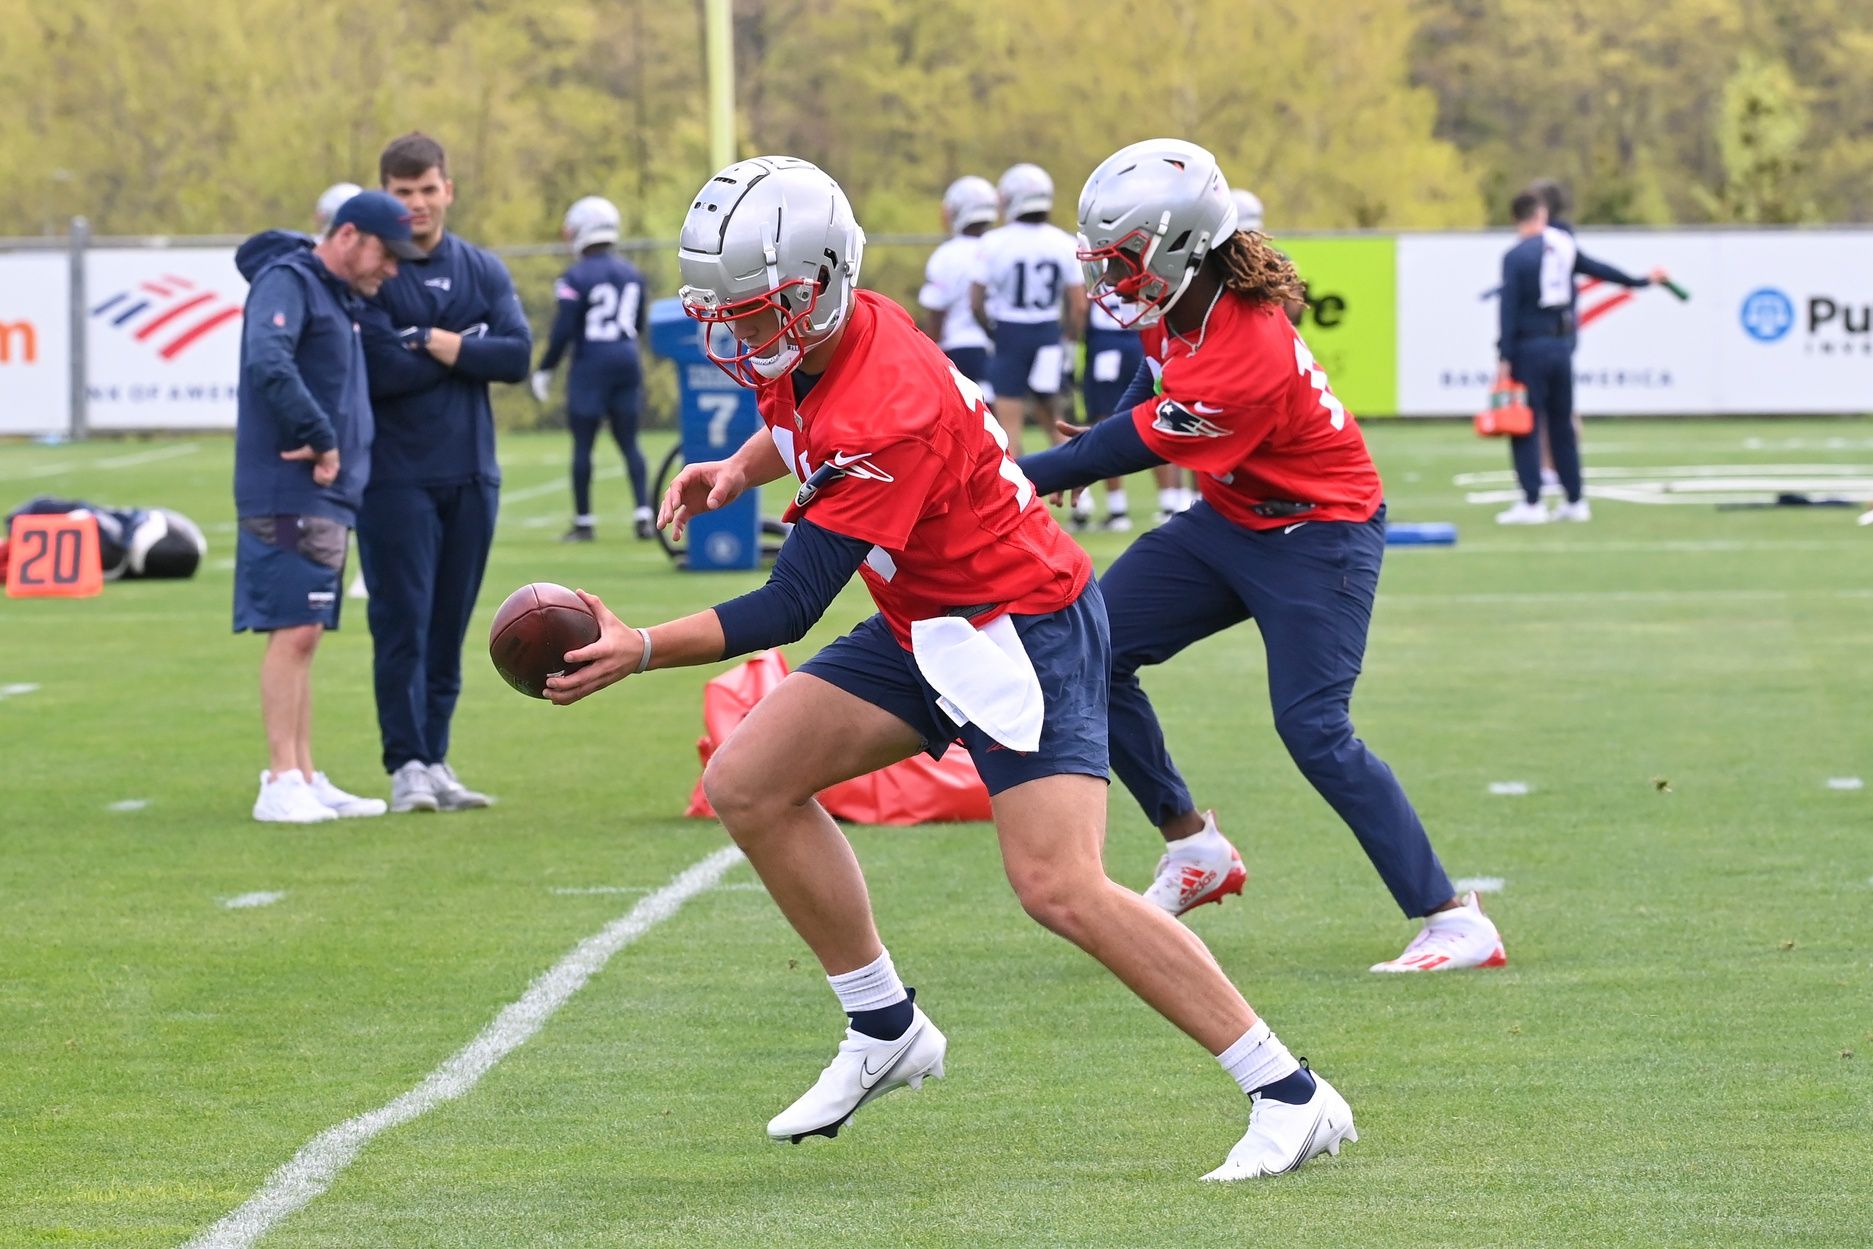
[[1256, 271]]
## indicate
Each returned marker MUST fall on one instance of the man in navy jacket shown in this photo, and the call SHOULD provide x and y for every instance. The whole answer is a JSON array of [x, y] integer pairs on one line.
[[438, 333], [302, 456]]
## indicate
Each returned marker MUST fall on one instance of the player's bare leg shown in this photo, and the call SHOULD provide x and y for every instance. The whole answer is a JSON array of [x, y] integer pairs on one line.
[[1011, 415], [762, 783], [1052, 833], [286, 794]]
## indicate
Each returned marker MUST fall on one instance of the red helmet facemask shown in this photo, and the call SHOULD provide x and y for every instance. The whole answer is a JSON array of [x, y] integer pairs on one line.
[[1137, 293], [756, 364]]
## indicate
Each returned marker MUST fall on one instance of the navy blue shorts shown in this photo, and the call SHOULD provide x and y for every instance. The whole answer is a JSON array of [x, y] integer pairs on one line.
[[288, 571], [1112, 360], [971, 362], [1071, 653], [1019, 368]]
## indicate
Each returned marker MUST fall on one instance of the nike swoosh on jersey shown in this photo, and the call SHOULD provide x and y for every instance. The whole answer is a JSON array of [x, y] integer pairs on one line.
[[868, 1077], [1208, 409], [1291, 528], [859, 466]]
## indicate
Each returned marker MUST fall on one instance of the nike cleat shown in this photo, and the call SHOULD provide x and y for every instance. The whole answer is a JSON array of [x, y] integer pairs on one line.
[[1200, 868], [864, 1068], [1452, 941], [1282, 1135]]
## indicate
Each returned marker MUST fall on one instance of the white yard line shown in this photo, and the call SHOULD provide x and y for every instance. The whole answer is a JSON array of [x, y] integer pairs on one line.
[[128, 804], [1508, 789], [1845, 783], [244, 900], [315, 1166], [1625, 596], [1480, 884], [17, 688], [149, 457], [557, 485]]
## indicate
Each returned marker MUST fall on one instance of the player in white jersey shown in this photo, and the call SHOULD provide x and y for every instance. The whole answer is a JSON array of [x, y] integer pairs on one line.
[[1029, 286], [969, 209], [1113, 354]]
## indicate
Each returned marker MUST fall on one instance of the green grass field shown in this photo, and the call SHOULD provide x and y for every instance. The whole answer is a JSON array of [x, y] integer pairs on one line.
[[1679, 1053]]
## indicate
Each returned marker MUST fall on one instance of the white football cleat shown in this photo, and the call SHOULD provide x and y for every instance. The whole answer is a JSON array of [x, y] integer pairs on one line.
[[1451, 941], [1282, 1136], [1200, 868], [347, 805], [1523, 512], [1575, 511], [863, 1069], [286, 798]]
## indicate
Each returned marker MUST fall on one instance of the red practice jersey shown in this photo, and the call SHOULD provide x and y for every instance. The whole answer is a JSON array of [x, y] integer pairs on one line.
[[926, 479], [1244, 404]]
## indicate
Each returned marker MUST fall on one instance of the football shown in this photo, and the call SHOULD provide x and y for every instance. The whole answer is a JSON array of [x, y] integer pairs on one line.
[[532, 632]]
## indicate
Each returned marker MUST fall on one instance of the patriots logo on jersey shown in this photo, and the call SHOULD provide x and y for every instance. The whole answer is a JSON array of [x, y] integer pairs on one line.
[[1175, 419], [822, 477]]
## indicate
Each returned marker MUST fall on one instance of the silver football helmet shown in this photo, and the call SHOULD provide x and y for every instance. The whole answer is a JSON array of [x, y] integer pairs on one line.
[[970, 201], [1248, 210], [593, 219], [1025, 189], [330, 200], [1149, 215], [770, 251]]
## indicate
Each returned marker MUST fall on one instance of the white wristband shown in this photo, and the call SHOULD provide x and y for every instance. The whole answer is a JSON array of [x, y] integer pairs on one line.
[[643, 663]]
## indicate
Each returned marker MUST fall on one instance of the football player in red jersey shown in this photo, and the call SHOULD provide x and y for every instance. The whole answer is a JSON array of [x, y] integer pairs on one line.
[[1290, 530], [989, 631]]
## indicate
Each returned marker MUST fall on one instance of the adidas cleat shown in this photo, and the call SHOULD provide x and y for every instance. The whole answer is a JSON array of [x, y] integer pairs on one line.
[[1452, 941], [1200, 868]]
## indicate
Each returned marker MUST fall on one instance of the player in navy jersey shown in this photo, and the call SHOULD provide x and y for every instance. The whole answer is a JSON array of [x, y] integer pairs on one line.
[[969, 208], [601, 317], [1028, 287], [989, 631], [1290, 530]]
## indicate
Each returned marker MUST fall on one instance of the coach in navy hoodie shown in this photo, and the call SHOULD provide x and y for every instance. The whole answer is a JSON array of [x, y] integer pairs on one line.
[[302, 455], [437, 334]]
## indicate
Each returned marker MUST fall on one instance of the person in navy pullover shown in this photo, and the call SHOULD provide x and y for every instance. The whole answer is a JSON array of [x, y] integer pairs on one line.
[[436, 335], [1536, 347], [302, 456], [601, 317]]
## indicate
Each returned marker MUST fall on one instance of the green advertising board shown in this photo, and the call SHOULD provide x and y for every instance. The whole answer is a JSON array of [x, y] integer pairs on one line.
[[1351, 324]]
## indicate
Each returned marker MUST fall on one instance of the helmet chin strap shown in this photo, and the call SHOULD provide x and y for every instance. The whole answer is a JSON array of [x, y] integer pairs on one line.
[[787, 354]]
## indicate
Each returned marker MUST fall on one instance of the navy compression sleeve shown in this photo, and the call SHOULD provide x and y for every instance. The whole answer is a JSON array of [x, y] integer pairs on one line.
[[813, 566], [1140, 388], [1111, 448]]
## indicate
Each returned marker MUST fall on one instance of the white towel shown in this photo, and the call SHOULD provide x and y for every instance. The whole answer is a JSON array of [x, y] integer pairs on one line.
[[1558, 251], [982, 676]]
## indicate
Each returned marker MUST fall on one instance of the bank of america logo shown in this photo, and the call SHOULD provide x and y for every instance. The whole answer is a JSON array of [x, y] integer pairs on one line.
[[169, 313]]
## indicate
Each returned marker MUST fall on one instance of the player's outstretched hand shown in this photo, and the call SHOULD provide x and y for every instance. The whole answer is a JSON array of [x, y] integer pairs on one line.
[[697, 489], [607, 661]]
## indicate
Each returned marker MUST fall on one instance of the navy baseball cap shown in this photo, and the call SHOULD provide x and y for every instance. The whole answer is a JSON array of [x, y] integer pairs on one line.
[[382, 214]]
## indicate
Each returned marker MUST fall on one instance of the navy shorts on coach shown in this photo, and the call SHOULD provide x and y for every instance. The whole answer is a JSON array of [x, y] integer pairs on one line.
[[288, 571], [1112, 360], [1071, 655], [1029, 359]]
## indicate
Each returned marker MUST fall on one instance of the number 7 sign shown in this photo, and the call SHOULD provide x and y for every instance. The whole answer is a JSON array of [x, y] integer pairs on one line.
[[54, 556]]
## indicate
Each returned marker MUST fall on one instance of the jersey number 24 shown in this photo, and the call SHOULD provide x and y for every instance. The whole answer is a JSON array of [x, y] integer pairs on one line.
[[611, 314]]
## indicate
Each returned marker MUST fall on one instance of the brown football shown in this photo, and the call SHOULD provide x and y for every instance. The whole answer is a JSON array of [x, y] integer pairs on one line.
[[532, 632]]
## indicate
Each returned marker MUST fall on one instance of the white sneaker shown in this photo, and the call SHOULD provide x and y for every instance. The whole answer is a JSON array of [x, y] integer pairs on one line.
[[411, 789], [1082, 512], [1523, 513], [1282, 1136], [347, 805], [863, 1069], [285, 798], [1576, 511], [451, 794], [1119, 522], [1202, 867], [1452, 941]]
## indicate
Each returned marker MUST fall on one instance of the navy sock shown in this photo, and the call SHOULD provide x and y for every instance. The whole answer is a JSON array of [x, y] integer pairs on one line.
[[1295, 1089], [888, 1023]]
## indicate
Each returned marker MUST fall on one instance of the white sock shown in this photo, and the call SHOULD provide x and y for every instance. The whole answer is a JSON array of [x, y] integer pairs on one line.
[[642, 513], [292, 776], [872, 987], [1168, 498], [1117, 504], [1257, 1058], [585, 522]]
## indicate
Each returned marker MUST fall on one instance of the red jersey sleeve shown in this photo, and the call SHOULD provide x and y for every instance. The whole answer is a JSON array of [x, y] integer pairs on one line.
[[880, 493], [1208, 437]]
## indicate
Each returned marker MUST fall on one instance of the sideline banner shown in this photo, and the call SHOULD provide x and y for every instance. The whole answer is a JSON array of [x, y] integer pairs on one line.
[[1351, 324], [1795, 325], [35, 343], [163, 337]]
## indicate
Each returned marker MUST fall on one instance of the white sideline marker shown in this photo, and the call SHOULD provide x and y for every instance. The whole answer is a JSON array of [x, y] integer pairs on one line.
[[1508, 789], [245, 900], [128, 804], [1845, 782], [15, 690], [318, 1163], [1479, 884]]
